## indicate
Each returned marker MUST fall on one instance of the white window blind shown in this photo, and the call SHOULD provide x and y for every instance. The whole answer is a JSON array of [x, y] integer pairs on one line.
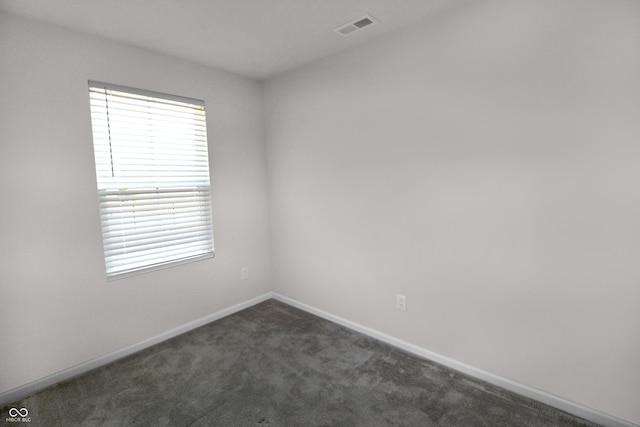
[[152, 169]]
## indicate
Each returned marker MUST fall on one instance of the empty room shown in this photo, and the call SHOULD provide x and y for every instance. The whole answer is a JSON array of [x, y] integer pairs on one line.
[[320, 212]]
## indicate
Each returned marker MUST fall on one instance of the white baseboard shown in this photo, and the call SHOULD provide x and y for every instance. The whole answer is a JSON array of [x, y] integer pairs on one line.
[[558, 402], [40, 384]]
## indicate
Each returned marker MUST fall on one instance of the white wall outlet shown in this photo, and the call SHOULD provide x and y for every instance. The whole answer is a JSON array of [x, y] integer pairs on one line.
[[401, 302], [244, 273]]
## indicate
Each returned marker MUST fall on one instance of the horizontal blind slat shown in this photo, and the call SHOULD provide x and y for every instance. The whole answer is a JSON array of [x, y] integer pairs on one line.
[[162, 241], [151, 263], [116, 222], [158, 254], [154, 232]]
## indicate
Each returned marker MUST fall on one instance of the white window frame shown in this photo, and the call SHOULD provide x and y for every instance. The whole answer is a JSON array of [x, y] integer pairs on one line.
[[152, 171]]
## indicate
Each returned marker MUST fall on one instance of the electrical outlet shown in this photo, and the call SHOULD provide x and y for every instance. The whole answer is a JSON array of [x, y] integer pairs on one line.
[[401, 302], [244, 273]]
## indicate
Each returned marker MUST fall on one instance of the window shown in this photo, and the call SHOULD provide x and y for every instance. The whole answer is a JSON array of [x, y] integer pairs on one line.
[[152, 170]]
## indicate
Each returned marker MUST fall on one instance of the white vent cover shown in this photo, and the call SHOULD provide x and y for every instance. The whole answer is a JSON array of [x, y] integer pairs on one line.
[[358, 24]]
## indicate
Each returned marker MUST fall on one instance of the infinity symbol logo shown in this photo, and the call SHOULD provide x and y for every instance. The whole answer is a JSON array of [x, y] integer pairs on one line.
[[13, 412]]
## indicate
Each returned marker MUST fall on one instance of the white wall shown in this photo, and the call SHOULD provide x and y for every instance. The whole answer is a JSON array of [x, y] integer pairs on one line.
[[484, 164], [56, 308]]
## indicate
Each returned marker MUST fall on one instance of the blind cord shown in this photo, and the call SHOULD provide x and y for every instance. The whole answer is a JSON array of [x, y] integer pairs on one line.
[[106, 102]]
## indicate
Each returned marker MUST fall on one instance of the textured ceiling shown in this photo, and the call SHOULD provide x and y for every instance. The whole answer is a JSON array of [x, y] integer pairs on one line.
[[255, 38]]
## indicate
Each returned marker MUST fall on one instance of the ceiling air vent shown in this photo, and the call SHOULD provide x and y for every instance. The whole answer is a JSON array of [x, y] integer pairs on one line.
[[358, 24]]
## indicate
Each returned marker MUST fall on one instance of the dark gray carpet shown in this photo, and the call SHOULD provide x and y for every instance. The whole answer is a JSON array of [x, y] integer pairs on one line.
[[274, 365]]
